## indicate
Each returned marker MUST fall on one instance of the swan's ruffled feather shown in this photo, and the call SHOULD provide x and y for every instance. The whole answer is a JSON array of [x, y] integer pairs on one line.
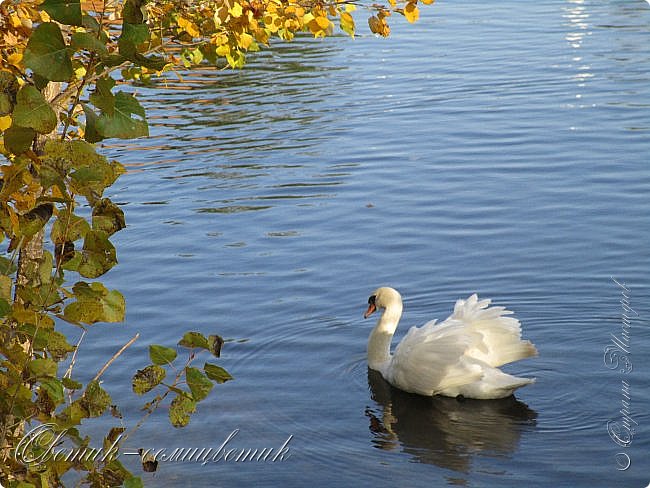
[[460, 356]]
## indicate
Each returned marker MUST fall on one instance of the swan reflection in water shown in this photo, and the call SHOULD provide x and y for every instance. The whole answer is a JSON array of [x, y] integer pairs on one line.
[[445, 431]]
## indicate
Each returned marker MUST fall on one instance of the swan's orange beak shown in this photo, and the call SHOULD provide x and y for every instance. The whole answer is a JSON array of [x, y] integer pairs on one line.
[[370, 311]]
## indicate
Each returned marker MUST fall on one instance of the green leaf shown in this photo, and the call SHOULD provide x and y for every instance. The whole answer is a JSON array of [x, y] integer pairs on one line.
[[64, 11], [87, 42], [68, 227], [84, 312], [216, 373], [6, 105], [58, 346], [91, 172], [194, 339], [50, 177], [38, 335], [32, 110], [148, 378], [54, 389], [40, 82], [89, 176], [133, 34], [71, 259], [72, 415], [161, 354], [19, 139], [180, 410], [198, 383], [91, 134], [47, 55], [45, 266], [42, 367], [128, 120], [95, 399], [6, 283], [108, 217], [5, 307], [133, 482], [102, 97], [98, 255], [8, 89], [113, 60], [114, 307], [133, 11], [86, 291], [156, 63], [71, 384], [90, 23], [95, 304]]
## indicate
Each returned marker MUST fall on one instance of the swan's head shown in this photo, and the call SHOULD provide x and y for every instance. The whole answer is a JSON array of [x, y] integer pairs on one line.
[[383, 297]]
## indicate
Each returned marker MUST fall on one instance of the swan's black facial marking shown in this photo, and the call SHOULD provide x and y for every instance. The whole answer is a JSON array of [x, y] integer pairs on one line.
[[371, 307]]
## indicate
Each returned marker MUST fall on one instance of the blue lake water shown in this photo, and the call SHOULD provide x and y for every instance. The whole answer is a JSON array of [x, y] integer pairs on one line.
[[498, 148]]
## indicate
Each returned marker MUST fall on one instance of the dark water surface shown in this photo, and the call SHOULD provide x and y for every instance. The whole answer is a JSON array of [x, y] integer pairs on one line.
[[494, 147]]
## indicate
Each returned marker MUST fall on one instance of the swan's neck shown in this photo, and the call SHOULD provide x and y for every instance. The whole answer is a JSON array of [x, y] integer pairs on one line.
[[381, 336]]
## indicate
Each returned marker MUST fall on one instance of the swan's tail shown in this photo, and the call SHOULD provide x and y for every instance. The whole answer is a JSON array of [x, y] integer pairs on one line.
[[494, 384], [498, 338]]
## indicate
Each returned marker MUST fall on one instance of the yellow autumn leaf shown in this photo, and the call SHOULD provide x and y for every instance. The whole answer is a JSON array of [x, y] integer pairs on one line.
[[223, 50], [323, 22], [375, 25], [291, 24], [56, 192], [307, 18], [350, 7], [236, 10], [261, 36], [411, 12], [219, 39], [13, 218], [189, 27], [15, 59], [427, 2], [347, 23], [15, 21], [5, 123], [245, 40], [221, 15]]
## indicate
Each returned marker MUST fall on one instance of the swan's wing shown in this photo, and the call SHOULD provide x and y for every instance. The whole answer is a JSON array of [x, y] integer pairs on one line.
[[496, 336], [438, 357], [430, 360]]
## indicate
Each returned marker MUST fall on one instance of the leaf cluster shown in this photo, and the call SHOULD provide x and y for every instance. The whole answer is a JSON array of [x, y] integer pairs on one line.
[[190, 384]]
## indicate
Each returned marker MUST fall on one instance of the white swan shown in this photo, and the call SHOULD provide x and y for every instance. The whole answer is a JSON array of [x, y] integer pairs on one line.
[[458, 357]]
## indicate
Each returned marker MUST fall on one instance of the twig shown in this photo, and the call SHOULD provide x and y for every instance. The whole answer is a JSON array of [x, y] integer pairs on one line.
[[68, 373], [110, 361]]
